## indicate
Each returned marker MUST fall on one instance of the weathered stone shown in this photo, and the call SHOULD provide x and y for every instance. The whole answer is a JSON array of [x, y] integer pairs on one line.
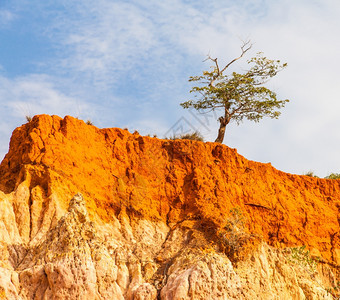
[[146, 223]]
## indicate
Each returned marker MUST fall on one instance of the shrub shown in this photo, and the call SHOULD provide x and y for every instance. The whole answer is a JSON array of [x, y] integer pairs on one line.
[[333, 176], [302, 257], [233, 236], [28, 118], [89, 122], [194, 136]]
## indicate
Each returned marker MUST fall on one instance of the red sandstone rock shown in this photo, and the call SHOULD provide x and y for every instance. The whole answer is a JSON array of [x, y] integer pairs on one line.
[[171, 181], [150, 197]]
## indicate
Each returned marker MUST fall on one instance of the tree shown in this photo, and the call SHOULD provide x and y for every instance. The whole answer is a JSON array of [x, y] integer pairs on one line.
[[238, 96]]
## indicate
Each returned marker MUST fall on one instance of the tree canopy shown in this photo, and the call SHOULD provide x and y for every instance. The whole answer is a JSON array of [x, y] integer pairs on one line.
[[237, 96]]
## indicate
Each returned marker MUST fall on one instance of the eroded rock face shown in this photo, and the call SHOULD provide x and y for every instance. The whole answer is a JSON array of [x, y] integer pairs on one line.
[[79, 259], [202, 276], [145, 224], [76, 261]]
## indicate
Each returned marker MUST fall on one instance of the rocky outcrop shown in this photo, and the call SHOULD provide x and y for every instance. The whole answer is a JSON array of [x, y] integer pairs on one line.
[[79, 259], [153, 220]]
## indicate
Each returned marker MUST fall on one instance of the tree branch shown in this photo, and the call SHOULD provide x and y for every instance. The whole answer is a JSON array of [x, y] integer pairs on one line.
[[244, 48]]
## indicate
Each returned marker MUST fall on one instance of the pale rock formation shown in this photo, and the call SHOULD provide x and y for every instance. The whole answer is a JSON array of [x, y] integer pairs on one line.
[[205, 276], [78, 259]]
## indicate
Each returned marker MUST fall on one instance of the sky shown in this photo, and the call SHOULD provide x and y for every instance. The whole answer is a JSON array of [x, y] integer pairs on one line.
[[127, 63]]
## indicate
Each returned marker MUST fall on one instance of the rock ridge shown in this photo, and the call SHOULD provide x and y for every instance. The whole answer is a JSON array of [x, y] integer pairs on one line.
[[89, 213]]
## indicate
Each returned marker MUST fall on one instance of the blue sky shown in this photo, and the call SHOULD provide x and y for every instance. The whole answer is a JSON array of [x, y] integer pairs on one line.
[[127, 64]]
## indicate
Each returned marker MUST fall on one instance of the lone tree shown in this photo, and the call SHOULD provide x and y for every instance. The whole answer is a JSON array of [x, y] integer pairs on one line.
[[239, 96]]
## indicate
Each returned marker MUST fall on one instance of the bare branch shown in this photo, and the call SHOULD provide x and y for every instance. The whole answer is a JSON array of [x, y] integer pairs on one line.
[[216, 64], [244, 48]]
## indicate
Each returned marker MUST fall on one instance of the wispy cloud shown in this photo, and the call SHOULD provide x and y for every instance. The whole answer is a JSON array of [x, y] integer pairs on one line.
[[31, 95], [103, 40], [35, 93], [6, 17]]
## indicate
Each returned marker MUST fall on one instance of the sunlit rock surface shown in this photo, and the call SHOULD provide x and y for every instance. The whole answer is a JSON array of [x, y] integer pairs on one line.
[[88, 213]]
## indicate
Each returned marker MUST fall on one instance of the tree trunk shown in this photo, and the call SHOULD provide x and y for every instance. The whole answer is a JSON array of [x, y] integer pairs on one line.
[[221, 132]]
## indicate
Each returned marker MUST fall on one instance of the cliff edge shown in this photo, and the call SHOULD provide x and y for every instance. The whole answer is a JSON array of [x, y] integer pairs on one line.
[[88, 213]]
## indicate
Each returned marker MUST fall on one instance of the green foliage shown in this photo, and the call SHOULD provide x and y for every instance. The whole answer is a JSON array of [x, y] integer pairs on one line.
[[330, 176], [233, 235], [238, 96], [333, 176], [302, 257], [194, 136]]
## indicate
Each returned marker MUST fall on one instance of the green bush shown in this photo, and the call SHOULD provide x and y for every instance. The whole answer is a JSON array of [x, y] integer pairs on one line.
[[302, 257], [333, 176]]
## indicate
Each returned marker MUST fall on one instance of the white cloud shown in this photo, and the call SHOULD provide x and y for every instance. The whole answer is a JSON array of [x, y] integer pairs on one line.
[[32, 95], [104, 40], [6, 17], [35, 94]]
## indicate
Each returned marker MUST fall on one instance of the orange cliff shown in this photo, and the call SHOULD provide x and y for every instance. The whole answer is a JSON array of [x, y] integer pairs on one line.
[[171, 181]]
